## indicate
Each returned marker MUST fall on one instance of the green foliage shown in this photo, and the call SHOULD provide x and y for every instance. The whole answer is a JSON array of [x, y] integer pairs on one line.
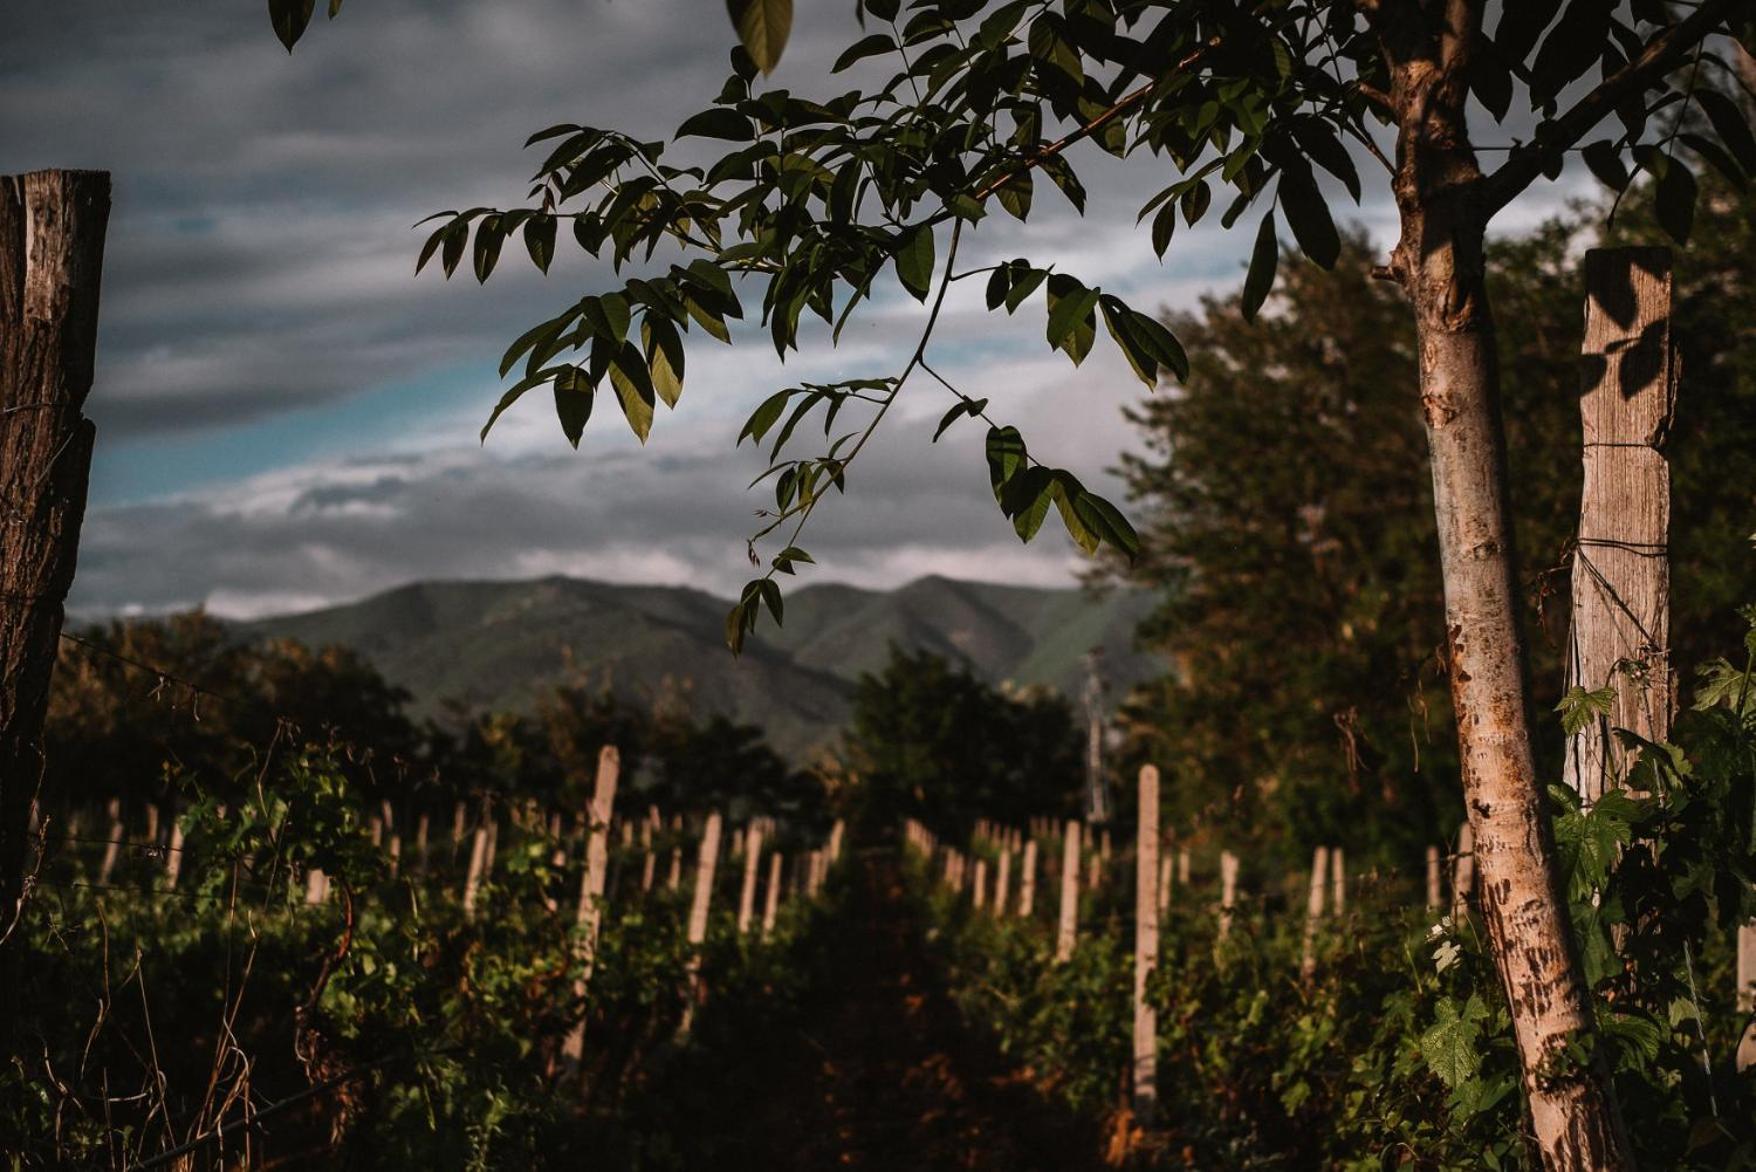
[[1287, 526], [1400, 1051], [928, 740]]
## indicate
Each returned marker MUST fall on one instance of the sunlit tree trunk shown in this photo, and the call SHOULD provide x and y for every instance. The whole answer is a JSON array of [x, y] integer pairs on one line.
[[1439, 263]]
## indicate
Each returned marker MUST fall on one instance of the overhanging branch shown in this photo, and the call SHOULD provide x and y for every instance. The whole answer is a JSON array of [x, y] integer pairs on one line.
[[1666, 51]]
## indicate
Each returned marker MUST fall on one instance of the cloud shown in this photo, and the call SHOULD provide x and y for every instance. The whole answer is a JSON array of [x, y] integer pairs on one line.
[[288, 415]]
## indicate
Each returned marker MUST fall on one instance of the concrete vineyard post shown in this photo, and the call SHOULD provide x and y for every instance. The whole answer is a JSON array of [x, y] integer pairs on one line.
[[1337, 882], [1314, 911], [1435, 896], [1164, 883], [1619, 638], [1146, 912], [747, 896], [588, 917], [771, 902], [316, 886], [1027, 896], [457, 824], [1069, 923], [981, 887], [1183, 867], [836, 832]]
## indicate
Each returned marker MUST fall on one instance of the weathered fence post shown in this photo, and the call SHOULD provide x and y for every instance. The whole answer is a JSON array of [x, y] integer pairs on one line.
[[747, 896], [1337, 882], [1145, 946], [705, 864], [1228, 894], [1620, 633], [1027, 895], [1746, 1057], [771, 902], [1069, 925], [1314, 911], [1463, 872], [52, 226], [589, 916]]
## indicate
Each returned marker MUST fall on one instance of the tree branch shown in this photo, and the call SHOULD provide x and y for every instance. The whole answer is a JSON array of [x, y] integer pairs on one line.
[[1522, 166]]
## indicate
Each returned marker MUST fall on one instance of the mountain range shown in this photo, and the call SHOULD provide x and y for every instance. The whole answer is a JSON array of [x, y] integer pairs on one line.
[[499, 645]]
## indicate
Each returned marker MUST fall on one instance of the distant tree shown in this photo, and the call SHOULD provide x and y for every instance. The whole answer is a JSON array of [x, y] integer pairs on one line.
[[929, 740], [1286, 517]]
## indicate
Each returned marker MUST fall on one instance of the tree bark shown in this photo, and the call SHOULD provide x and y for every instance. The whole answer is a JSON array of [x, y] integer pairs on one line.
[[1439, 261], [51, 259]]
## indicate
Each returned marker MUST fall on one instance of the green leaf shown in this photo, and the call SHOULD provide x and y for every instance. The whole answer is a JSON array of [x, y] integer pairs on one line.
[[1675, 205], [1006, 455], [1605, 162], [573, 399], [763, 27], [914, 261], [1449, 1046], [765, 416], [517, 391], [1730, 124], [539, 240], [719, 122], [290, 19], [1264, 259], [867, 46], [1072, 324], [970, 407], [489, 237], [633, 385], [1579, 708], [1015, 195], [1308, 216], [664, 356]]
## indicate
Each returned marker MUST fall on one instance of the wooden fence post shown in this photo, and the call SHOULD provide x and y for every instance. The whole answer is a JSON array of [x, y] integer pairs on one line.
[[478, 855], [589, 916], [1463, 872], [1069, 925], [771, 902], [52, 226], [1027, 895], [1337, 882], [1620, 633], [1146, 912], [747, 896], [1228, 893], [1434, 895], [705, 864], [1003, 880], [1746, 1057], [1314, 911], [113, 846]]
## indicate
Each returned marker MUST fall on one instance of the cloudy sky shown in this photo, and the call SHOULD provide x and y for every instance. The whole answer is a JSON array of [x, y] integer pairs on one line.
[[288, 417]]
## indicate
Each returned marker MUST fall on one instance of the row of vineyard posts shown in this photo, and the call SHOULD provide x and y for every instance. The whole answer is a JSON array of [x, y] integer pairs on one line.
[[623, 860], [1619, 648]]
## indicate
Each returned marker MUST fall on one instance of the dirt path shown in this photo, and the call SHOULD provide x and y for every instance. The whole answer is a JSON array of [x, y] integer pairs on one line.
[[873, 1069]]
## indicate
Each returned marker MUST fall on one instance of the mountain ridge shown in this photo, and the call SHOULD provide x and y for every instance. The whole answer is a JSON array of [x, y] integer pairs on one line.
[[500, 644]]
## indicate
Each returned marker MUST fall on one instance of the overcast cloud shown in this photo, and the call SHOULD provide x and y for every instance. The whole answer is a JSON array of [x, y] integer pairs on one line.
[[287, 416]]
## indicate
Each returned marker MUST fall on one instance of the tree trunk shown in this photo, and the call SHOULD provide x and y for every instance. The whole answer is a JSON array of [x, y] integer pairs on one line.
[[51, 258], [1439, 261]]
